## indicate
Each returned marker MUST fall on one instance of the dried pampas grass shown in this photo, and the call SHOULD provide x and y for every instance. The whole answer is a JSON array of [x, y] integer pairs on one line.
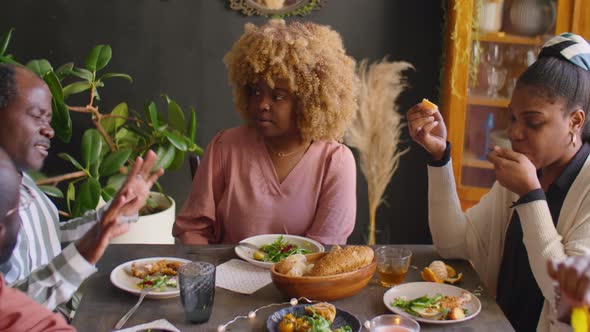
[[375, 131]]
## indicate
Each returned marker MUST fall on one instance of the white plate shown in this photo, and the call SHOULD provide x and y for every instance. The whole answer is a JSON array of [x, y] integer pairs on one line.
[[121, 277], [414, 290], [261, 240]]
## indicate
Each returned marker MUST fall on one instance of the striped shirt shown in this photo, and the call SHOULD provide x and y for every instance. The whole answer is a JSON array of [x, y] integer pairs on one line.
[[39, 266]]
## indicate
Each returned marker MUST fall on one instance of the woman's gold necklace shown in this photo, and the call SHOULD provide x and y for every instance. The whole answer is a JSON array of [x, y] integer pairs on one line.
[[287, 154]]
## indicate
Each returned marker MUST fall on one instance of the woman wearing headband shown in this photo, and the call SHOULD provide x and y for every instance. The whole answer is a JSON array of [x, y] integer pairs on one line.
[[539, 207], [284, 171]]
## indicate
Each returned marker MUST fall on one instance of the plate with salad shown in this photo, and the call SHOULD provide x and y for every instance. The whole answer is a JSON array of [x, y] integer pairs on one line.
[[157, 272], [268, 249], [431, 302]]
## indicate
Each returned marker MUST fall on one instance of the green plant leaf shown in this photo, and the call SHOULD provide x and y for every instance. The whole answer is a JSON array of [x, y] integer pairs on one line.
[[109, 75], [88, 196], [51, 191], [8, 59], [91, 146], [178, 160], [113, 162], [64, 70], [5, 41], [84, 74], [98, 58], [116, 181], [71, 159], [176, 140], [112, 124], [153, 114], [165, 156], [75, 87], [70, 195], [39, 67], [176, 116], [192, 126], [108, 193], [54, 85], [61, 121]]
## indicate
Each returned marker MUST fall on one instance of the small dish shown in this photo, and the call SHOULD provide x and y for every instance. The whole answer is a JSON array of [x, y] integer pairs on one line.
[[343, 318], [247, 253], [121, 277]]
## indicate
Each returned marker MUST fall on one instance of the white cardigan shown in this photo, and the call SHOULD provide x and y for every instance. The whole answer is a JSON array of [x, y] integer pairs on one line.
[[478, 234]]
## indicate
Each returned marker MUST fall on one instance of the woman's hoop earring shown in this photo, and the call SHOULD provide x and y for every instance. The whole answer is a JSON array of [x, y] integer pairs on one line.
[[573, 139]]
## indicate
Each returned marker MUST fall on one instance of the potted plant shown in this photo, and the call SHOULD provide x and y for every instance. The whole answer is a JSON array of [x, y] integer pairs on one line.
[[116, 138]]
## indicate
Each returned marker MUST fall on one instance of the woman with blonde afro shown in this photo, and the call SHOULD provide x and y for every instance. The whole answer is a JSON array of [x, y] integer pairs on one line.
[[284, 171]]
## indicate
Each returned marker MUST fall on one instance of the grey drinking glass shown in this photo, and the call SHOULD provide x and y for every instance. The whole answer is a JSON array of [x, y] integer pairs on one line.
[[196, 281]]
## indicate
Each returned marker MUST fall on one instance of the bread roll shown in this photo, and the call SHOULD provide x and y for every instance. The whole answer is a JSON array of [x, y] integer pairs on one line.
[[340, 260], [294, 265]]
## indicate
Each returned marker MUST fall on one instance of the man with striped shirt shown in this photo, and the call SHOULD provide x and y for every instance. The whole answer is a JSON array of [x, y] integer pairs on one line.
[[38, 265]]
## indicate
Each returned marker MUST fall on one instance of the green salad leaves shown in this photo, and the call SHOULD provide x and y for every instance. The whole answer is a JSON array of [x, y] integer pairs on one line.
[[278, 250]]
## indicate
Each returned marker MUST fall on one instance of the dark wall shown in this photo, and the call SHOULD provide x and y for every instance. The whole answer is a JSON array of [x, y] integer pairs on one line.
[[176, 46]]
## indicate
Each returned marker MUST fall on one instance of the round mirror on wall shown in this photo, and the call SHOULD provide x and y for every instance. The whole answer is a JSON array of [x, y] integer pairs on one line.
[[275, 8]]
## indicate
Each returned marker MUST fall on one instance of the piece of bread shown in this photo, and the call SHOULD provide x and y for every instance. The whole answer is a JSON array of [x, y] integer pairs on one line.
[[344, 260], [324, 309], [294, 265]]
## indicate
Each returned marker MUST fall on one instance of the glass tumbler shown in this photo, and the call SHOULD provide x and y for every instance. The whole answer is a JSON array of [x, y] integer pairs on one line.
[[196, 281], [392, 265]]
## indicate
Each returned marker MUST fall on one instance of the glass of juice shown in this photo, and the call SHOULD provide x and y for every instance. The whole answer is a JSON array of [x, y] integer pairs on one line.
[[394, 323], [392, 264], [196, 281]]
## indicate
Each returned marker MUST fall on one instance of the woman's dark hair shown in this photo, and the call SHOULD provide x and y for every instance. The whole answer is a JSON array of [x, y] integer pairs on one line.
[[7, 84], [556, 77]]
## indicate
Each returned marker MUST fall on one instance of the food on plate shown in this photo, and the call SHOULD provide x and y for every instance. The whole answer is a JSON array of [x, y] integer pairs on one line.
[[158, 282], [159, 274], [162, 267], [440, 272], [438, 307], [342, 260], [428, 104], [324, 309], [278, 250], [320, 317]]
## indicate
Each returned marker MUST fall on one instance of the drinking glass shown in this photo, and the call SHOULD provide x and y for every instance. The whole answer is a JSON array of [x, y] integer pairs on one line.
[[394, 323], [392, 265], [496, 79], [196, 281], [494, 55]]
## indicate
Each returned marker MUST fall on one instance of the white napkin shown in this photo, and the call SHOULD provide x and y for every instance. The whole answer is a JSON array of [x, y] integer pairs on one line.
[[157, 324], [241, 277]]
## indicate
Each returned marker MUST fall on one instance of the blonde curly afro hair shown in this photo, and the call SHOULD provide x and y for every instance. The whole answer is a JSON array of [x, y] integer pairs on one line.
[[312, 59]]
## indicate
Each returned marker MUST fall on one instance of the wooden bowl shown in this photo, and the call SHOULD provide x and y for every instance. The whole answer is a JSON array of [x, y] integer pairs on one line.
[[324, 288]]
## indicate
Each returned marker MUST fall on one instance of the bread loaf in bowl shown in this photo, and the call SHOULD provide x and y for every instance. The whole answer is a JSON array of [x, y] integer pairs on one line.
[[338, 274]]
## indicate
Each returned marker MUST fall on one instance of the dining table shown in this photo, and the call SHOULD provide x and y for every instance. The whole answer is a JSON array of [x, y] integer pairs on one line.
[[103, 304]]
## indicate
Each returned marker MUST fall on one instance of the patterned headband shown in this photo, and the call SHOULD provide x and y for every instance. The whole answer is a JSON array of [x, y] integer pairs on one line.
[[570, 47]]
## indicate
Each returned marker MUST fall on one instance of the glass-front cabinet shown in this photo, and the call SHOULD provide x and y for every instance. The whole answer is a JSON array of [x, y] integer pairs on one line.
[[489, 43]]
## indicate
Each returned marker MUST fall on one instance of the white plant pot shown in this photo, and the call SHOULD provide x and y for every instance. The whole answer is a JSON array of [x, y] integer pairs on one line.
[[155, 228]]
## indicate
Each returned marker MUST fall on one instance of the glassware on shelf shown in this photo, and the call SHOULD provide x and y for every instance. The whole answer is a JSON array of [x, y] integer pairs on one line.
[[496, 79], [532, 17], [494, 55], [490, 16]]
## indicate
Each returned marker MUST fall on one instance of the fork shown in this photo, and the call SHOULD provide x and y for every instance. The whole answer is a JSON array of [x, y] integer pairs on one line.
[[124, 319], [248, 245]]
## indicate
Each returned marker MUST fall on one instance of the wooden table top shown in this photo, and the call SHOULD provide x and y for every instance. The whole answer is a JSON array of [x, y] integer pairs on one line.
[[103, 304]]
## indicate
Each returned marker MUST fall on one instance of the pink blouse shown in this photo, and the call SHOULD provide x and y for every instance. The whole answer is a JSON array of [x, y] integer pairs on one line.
[[236, 193]]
